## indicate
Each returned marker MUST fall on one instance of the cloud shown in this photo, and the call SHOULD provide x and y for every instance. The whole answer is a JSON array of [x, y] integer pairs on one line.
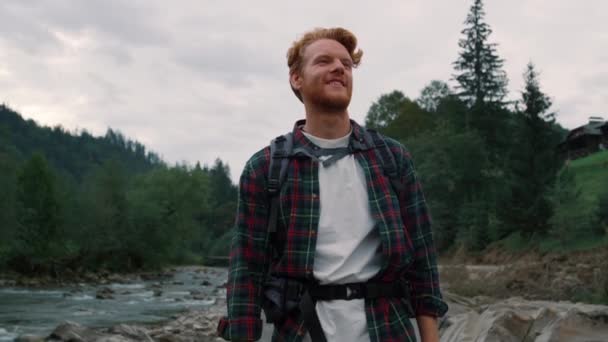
[[196, 80], [129, 22], [231, 62]]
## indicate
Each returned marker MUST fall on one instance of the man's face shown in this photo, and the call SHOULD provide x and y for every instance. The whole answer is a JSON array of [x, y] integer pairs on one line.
[[325, 79]]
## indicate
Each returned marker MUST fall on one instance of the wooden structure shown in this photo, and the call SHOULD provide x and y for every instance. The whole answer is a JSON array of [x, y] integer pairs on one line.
[[586, 139]]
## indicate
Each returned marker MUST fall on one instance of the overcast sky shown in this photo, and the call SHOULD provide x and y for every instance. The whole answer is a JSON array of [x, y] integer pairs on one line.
[[201, 79]]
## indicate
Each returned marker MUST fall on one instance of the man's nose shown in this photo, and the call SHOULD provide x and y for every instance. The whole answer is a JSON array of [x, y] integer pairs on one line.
[[337, 66]]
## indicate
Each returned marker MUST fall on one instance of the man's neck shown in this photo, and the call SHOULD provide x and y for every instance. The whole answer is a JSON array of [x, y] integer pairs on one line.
[[327, 125]]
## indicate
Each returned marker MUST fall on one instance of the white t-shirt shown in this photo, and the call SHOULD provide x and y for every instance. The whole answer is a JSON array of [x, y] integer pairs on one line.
[[348, 246]]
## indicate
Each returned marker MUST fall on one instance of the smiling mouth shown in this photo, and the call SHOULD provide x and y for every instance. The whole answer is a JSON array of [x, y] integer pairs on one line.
[[336, 82]]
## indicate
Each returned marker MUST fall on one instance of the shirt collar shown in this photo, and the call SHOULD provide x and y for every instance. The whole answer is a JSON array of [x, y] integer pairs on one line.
[[359, 139]]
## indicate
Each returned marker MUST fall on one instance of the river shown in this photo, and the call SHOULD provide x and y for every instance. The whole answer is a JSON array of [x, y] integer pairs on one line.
[[38, 311]]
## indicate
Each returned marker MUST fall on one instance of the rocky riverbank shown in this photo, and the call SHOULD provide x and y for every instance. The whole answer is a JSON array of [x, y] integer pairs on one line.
[[483, 319], [577, 277], [102, 277], [191, 326], [486, 314], [478, 319]]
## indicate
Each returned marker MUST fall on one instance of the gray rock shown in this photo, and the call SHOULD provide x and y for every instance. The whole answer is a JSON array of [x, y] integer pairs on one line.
[[133, 332], [74, 332], [516, 319], [29, 338], [104, 293], [115, 339]]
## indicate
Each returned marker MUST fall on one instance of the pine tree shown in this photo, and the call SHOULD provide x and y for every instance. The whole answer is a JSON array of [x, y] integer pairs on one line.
[[481, 79], [536, 102], [535, 162], [482, 85]]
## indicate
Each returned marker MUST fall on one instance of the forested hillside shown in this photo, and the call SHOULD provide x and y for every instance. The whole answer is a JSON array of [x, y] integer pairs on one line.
[[72, 201]]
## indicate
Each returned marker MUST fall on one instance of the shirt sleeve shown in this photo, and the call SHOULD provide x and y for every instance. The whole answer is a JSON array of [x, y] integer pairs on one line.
[[248, 258], [423, 276]]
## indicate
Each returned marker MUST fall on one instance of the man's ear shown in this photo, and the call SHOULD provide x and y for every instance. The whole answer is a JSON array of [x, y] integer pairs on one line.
[[295, 80]]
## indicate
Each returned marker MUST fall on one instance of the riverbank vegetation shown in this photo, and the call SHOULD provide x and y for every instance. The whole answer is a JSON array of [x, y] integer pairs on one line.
[[74, 201]]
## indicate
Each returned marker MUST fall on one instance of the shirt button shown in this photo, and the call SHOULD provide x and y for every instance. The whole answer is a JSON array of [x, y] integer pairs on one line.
[[312, 233], [314, 196]]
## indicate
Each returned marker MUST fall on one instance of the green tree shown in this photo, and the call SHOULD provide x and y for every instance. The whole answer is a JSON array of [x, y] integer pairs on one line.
[[534, 161], [171, 211], [432, 95], [107, 234], [454, 110], [222, 199], [38, 216], [473, 221], [385, 110], [481, 79], [410, 121], [482, 83], [451, 167], [8, 219]]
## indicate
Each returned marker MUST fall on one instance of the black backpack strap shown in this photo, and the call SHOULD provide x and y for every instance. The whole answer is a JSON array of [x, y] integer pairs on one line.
[[387, 159], [311, 319], [280, 152]]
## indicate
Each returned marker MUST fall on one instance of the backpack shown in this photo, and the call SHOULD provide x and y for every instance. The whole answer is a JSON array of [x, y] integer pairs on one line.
[[281, 150]]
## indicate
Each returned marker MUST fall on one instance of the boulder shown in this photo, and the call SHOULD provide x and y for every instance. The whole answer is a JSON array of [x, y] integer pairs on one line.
[[74, 332], [104, 293], [516, 319]]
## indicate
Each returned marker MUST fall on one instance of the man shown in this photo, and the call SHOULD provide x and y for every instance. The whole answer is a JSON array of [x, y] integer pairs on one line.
[[360, 247]]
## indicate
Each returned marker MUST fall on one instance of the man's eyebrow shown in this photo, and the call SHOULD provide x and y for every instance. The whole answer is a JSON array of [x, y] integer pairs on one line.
[[321, 56]]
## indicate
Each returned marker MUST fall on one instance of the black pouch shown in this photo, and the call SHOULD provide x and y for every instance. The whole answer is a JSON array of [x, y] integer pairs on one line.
[[281, 296]]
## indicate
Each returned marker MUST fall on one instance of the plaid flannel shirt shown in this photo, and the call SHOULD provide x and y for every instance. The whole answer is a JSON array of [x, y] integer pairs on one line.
[[402, 221]]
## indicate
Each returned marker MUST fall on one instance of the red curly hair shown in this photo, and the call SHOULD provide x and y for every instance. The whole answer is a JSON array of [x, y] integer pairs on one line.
[[343, 36]]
